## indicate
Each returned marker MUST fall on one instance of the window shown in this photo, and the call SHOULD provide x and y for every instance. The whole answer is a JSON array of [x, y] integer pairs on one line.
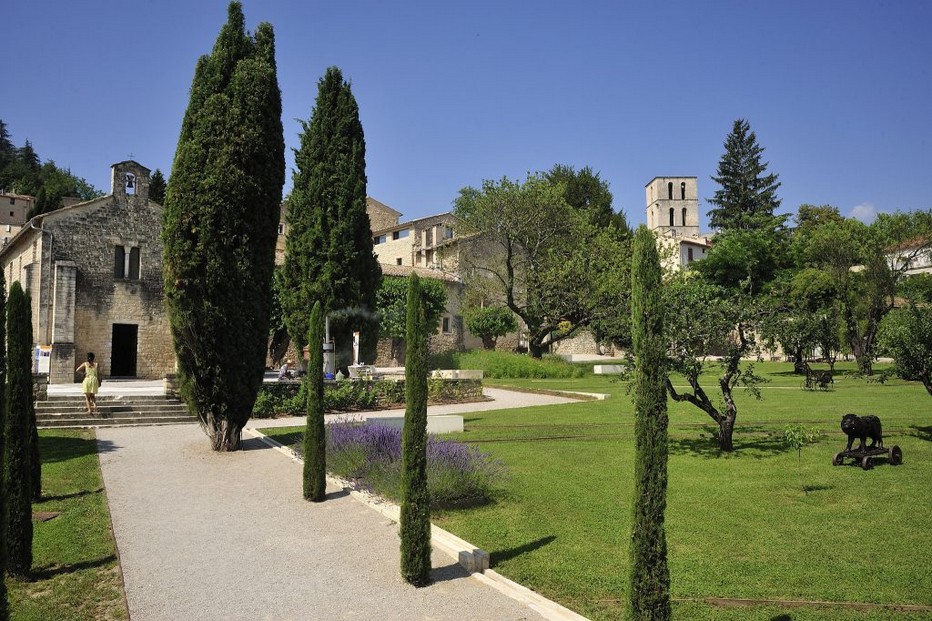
[[684, 216], [125, 265], [130, 183], [670, 190], [398, 261], [119, 262], [689, 255], [683, 191], [447, 233], [400, 234], [378, 240], [429, 237], [11, 214], [12, 202], [281, 229], [446, 325], [671, 216]]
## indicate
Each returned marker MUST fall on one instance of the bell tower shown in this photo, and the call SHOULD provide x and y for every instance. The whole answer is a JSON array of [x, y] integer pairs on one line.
[[129, 178], [673, 206]]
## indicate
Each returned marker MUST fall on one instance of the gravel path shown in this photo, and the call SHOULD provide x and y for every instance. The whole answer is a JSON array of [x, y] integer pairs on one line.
[[204, 535]]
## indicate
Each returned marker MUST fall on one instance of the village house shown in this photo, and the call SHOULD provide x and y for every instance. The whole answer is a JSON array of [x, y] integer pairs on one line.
[[13, 210], [94, 274]]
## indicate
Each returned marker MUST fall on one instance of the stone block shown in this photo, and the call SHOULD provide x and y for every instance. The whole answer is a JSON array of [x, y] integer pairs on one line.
[[436, 423], [608, 369], [472, 374]]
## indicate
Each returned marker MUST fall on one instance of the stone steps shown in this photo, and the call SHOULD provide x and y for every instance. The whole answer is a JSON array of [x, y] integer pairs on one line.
[[119, 411]]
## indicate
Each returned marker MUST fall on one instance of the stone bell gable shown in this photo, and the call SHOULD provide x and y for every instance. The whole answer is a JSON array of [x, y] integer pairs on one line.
[[94, 272]]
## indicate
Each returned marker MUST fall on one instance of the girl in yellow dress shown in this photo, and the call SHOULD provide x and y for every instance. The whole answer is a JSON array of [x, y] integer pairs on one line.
[[91, 382]]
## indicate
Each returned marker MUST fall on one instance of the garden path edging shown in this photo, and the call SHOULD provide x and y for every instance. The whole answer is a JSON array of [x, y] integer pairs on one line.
[[472, 559]]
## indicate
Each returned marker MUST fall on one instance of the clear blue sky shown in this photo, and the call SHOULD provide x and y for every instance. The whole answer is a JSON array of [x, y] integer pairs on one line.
[[839, 93]]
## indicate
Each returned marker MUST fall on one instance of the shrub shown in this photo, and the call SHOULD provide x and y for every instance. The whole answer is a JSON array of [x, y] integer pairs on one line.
[[370, 454], [505, 365]]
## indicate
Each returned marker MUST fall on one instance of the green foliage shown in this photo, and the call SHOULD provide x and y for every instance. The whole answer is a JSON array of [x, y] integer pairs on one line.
[[797, 436], [527, 253], [18, 452], [906, 335], [329, 252], [391, 303], [315, 439], [747, 198], [415, 500], [4, 486], [220, 228], [157, 187], [586, 191], [489, 323], [744, 259], [650, 577], [503, 365]]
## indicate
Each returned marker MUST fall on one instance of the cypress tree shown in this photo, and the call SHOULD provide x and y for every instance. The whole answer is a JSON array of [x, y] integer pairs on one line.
[[4, 605], [17, 458], [328, 252], [315, 439], [748, 198], [221, 214], [650, 577], [415, 502]]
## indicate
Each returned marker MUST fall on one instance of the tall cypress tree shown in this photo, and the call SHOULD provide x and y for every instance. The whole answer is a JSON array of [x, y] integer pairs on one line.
[[650, 577], [748, 198], [221, 215], [328, 253], [415, 502], [17, 457], [315, 439], [4, 604]]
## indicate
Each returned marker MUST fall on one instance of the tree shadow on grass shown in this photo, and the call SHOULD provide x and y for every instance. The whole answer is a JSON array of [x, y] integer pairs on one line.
[[62, 448], [745, 444], [510, 553], [50, 571], [782, 618], [923, 433], [83, 492]]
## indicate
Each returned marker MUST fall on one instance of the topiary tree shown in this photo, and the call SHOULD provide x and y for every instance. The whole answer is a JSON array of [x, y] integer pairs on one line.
[[315, 439], [329, 251], [650, 577], [17, 457], [222, 208], [489, 323], [415, 502]]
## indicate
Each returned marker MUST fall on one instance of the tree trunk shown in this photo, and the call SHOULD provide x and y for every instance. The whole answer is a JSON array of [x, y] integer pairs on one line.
[[865, 364], [536, 349], [488, 342], [225, 436], [726, 429], [799, 365], [926, 379]]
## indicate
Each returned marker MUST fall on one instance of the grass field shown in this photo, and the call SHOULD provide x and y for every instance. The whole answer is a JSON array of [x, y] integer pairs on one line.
[[746, 525], [76, 575]]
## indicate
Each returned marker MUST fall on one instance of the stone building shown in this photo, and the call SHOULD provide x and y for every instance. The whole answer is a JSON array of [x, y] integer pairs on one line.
[[13, 210], [673, 215], [94, 273]]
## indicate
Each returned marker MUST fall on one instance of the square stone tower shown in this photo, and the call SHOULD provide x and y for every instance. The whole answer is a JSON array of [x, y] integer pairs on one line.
[[673, 206]]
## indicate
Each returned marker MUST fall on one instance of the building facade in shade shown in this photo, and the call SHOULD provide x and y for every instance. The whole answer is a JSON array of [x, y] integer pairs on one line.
[[94, 274]]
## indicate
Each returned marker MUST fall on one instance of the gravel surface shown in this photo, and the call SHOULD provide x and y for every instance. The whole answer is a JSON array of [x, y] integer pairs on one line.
[[204, 535]]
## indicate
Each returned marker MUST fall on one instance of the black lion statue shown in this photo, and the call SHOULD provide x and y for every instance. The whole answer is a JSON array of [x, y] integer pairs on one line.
[[862, 427]]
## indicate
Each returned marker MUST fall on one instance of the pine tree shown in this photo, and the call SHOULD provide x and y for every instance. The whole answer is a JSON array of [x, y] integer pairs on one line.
[[221, 215], [17, 458], [748, 198], [157, 187], [415, 501], [328, 253], [650, 577], [315, 439]]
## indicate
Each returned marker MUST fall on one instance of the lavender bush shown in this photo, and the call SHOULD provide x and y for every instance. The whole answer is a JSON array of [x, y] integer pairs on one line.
[[371, 454]]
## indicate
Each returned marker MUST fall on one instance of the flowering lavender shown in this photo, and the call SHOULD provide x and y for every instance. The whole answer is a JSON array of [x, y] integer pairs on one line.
[[371, 454]]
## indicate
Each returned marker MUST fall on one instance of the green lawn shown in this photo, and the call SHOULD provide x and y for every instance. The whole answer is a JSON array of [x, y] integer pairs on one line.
[[738, 526], [76, 573]]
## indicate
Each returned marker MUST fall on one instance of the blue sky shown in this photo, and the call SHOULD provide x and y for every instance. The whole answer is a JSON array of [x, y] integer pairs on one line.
[[839, 93]]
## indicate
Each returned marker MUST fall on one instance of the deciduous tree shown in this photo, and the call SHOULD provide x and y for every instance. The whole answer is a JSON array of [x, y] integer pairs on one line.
[[391, 302], [220, 227], [650, 577], [489, 323], [906, 334]]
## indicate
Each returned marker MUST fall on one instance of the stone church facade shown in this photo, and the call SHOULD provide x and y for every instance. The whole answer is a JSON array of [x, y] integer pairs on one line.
[[94, 274]]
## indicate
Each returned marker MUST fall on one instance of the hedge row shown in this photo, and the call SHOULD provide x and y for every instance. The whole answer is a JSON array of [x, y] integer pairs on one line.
[[290, 398]]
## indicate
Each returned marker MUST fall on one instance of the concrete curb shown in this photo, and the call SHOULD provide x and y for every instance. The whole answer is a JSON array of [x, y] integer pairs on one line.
[[472, 559]]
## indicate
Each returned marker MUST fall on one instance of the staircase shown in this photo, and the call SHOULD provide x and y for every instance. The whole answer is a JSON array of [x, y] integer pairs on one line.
[[112, 411]]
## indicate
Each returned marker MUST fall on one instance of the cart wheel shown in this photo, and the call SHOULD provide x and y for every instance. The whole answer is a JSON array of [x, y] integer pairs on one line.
[[896, 456], [838, 460], [866, 463]]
